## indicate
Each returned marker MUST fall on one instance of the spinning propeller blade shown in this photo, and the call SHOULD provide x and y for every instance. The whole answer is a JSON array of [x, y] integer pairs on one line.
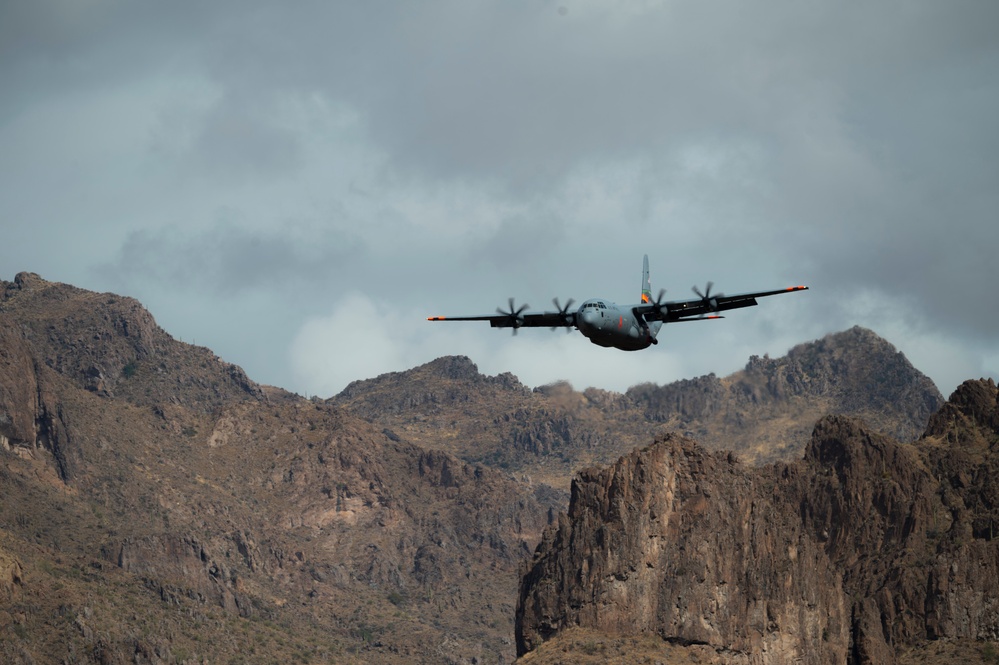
[[563, 313], [709, 301], [514, 315]]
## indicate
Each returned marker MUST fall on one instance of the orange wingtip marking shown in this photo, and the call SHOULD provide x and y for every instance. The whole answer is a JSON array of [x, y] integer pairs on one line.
[[436, 318], [797, 288]]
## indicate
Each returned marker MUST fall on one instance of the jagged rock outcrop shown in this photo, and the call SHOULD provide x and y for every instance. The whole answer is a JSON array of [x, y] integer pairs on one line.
[[864, 546], [11, 578], [693, 546], [687, 399], [182, 565], [31, 416]]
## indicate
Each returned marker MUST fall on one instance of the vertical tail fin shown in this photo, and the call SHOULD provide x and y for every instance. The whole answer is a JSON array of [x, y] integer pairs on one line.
[[646, 281]]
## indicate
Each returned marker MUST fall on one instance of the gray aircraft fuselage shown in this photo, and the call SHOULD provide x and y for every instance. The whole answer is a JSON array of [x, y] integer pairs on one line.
[[606, 324]]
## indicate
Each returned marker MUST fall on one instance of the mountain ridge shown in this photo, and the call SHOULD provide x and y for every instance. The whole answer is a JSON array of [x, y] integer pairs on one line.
[[763, 412], [158, 506]]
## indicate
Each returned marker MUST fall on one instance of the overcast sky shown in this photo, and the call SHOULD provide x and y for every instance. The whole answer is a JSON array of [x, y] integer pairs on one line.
[[299, 185]]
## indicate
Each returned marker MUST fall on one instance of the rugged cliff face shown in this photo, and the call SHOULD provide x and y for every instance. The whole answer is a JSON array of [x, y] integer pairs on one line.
[[863, 548], [693, 546]]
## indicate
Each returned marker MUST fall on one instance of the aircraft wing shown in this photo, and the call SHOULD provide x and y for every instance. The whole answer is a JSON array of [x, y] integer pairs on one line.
[[698, 308], [518, 319]]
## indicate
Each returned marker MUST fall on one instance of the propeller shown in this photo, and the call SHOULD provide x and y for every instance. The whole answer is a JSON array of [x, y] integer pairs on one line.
[[514, 315], [710, 302], [563, 313], [658, 303]]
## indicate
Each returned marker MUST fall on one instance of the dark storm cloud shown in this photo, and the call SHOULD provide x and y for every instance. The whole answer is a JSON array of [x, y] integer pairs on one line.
[[512, 91], [452, 152], [51, 47], [516, 91]]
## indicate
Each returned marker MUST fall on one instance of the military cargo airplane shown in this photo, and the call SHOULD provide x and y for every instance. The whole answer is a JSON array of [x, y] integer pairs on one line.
[[625, 327]]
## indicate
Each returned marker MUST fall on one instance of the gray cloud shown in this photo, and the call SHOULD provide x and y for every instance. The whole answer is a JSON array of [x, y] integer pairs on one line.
[[449, 154]]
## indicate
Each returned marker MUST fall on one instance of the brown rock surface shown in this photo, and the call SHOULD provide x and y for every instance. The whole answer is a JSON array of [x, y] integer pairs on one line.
[[693, 546], [11, 578], [862, 548]]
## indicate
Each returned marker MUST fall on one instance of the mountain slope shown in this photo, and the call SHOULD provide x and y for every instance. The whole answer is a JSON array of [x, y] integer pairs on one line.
[[158, 506], [863, 551]]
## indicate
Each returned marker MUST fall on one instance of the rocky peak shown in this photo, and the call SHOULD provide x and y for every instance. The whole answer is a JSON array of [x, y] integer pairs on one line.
[[428, 389], [855, 365], [765, 413], [556, 389], [27, 280], [111, 345], [974, 403], [842, 443], [854, 372], [851, 470], [24, 282], [454, 367], [963, 447]]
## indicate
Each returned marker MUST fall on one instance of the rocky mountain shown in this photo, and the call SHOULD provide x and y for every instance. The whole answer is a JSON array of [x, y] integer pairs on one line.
[[157, 506], [764, 412], [867, 550]]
